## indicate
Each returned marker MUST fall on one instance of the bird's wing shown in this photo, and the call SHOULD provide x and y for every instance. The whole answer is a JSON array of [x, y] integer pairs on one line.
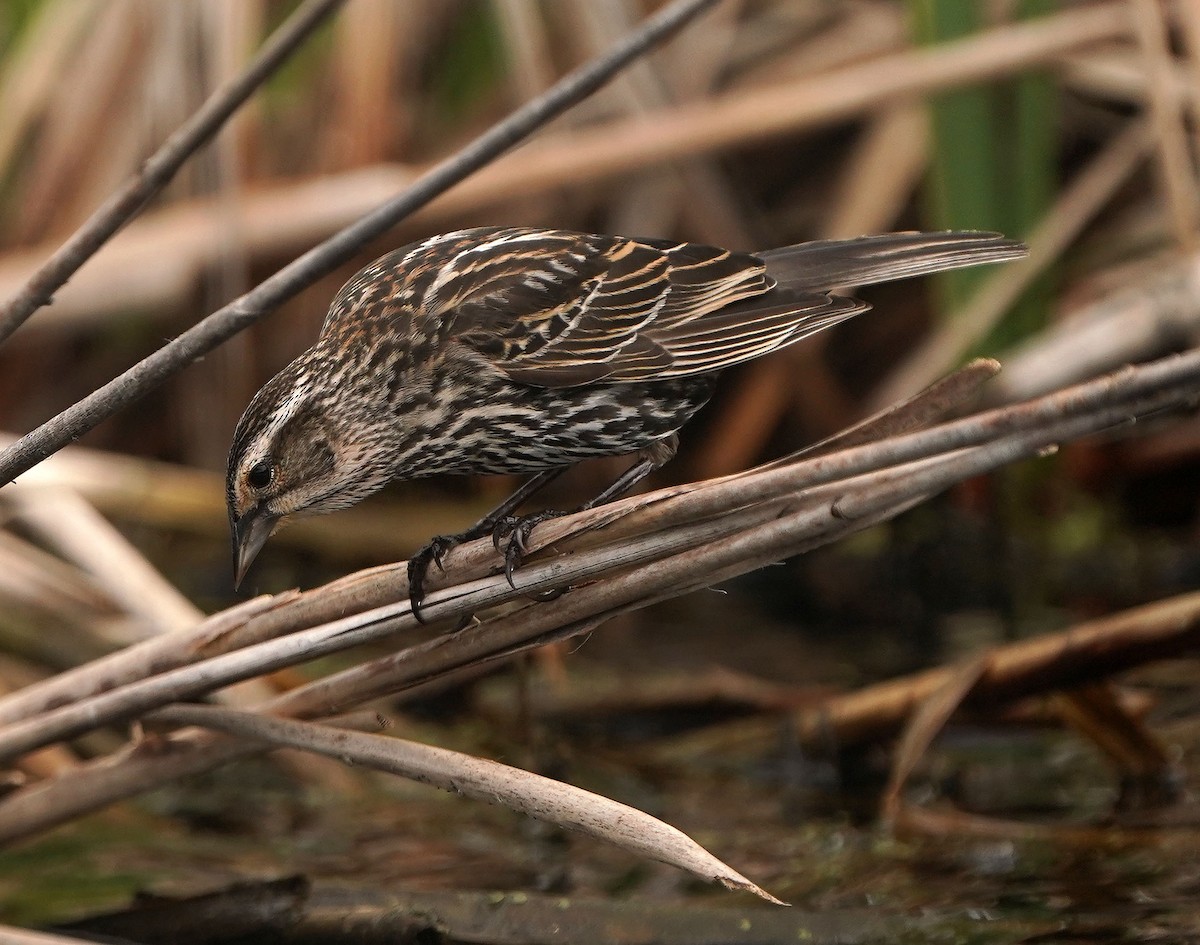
[[555, 308], [560, 309]]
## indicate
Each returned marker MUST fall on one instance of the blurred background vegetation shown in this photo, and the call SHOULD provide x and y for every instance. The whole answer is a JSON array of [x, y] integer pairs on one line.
[[1070, 123]]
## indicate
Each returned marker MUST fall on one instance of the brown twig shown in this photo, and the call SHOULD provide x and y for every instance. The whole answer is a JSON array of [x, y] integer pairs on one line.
[[1077, 655]]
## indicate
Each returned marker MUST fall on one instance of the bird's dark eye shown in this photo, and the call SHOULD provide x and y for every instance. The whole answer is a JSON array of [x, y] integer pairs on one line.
[[260, 475]]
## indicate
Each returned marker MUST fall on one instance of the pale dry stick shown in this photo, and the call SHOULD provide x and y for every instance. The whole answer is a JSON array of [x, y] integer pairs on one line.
[[1178, 172], [129, 773], [696, 188], [247, 309], [10, 935], [523, 28], [106, 781], [84, 537], [873, 188], [859, 33], [136, 662], [1075, 207], [1158, 313], [33, 69], [540, 797], [185, 239], [158, 170], [365, 80], [462, 599], [1116, 75], [74, 529], [90, 103], [1187, 14]]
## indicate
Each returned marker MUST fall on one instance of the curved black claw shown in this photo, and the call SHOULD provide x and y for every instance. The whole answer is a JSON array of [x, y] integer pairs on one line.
[[433, 552], [514, 531]]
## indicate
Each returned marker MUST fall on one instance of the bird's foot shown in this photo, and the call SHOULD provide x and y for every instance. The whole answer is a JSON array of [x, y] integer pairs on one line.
[[433, 552], [513, 532]]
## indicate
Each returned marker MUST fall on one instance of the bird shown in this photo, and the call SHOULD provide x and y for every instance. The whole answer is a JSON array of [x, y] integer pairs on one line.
[[525, 350]]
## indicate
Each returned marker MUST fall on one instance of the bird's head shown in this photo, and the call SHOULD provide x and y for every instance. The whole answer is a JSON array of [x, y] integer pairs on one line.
[[295, 451]]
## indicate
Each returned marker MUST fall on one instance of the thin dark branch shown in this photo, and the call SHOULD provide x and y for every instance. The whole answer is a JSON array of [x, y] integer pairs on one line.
[[160, 167], [197, 341]]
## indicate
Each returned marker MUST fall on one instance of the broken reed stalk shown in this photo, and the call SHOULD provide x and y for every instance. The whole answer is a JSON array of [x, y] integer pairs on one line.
[[654, 547], [532, 794], [1081, 654]]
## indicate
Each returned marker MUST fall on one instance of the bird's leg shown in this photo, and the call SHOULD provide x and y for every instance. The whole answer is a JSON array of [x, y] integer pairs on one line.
[[435, 550], [517, 529]]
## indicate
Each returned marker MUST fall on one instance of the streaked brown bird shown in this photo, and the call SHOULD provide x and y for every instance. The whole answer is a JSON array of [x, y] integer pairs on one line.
[[516, 350]]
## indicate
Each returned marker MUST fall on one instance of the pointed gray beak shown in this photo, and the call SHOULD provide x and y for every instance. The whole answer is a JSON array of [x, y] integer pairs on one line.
[[250, 533]]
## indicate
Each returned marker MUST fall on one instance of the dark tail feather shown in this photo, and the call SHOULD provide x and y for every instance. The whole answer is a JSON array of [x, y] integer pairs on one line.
[[827, 264]]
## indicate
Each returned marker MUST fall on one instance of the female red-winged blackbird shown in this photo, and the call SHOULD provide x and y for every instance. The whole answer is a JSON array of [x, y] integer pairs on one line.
[[513, 350]]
